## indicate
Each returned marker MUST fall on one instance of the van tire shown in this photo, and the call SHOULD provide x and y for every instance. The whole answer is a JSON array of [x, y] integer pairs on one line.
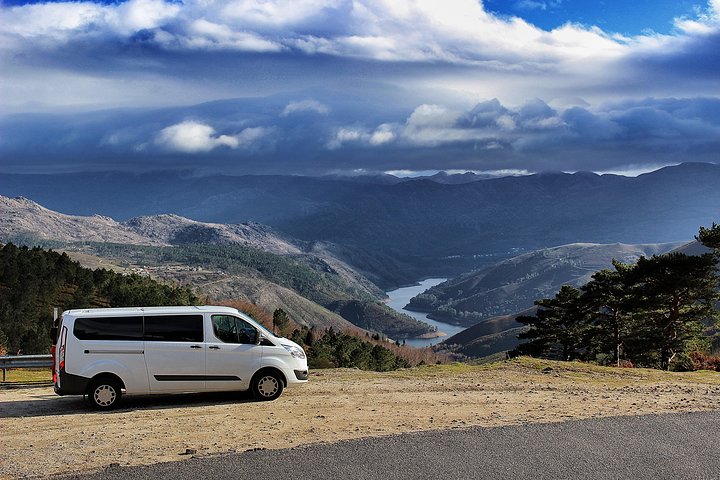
[[104, 393], [266, 385]]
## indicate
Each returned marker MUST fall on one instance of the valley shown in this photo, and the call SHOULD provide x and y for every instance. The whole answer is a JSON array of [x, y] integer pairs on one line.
[[329, 248], [512, 285], [398, 300]]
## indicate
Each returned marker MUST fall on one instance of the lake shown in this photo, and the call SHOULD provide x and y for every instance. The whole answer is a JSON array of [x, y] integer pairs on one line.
[[401, 297]]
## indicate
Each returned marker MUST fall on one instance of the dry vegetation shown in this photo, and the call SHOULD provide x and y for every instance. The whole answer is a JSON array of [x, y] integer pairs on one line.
[[334, 405]]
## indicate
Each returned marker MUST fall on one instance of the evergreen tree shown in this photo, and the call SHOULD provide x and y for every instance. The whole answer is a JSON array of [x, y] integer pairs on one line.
[[558, 327], [710, 237], [671, 297], [605, 301], [280, 320]]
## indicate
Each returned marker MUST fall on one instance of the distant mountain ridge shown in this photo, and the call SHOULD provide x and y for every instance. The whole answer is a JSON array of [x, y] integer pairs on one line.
[[20, 216], [424, 226]]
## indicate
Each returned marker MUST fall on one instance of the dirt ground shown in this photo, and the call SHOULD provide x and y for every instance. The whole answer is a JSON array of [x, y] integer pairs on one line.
[[43, 434]]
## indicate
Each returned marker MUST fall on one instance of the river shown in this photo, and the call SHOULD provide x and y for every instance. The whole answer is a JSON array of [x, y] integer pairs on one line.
[[401, 297]]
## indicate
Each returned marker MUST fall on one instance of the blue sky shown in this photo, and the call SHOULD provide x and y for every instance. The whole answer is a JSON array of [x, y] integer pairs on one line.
[[630, 17], [348, 86]]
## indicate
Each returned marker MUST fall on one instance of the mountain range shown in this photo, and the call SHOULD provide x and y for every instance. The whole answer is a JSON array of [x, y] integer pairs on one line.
[[397, 231], [249, 262]]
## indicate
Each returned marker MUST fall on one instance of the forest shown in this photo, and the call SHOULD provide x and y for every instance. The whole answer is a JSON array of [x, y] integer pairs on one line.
[[660, 312], [33, 281]]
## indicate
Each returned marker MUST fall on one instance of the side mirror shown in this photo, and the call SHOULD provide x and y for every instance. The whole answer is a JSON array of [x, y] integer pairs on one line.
[[259, 338]]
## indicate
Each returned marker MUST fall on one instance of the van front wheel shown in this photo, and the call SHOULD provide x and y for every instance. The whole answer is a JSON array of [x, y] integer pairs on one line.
[[266, 386], [104, 393]]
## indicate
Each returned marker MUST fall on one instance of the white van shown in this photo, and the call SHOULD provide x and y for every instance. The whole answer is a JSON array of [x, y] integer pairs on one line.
[[107, 352]]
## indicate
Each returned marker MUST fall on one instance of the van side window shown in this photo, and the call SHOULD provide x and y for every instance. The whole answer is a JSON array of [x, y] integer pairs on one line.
[[109, 328], [229, 329], [174, 328]]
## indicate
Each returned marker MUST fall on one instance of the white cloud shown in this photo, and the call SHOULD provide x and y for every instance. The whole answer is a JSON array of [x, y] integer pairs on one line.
[[64, 21], [251, 135], [305, 106], [196, 137], [537, 127], [382, 135], [432, 116], [635, 170], [508, 172], [135, 15], [347, 135], [202, 34], [153, 52], [457, 31]]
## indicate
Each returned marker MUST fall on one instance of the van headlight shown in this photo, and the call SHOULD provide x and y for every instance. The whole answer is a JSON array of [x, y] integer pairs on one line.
[[296, 352]]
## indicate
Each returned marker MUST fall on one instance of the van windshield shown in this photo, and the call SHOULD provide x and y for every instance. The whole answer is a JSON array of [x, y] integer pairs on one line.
[[262, 329], [266, 332]]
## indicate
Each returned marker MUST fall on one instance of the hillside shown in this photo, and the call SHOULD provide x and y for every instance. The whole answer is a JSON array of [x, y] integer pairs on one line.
[[513, 285], [440, 229], [224, 262], [488, 337], [33, 281], [23, 218], [499, 333]]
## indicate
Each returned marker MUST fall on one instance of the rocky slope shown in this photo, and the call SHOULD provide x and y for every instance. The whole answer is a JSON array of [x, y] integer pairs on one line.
[[242, 262], [21, 217]]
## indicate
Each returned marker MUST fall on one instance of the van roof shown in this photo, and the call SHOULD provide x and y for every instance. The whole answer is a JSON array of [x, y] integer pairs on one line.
[[148, 310]]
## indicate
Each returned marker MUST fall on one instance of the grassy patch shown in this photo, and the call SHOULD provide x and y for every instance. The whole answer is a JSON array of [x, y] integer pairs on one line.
[[27, 375]]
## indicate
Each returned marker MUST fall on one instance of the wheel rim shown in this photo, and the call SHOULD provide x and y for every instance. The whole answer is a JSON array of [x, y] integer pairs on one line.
[[268, 386], [104, 395]]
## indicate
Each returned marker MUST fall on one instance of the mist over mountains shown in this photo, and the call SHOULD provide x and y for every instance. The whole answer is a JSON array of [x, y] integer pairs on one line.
[[399, 231]]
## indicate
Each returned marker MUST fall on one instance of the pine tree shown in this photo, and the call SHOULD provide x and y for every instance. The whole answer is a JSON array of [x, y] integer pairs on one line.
[[672, 295], [280, 320], [605, 300], [558, 327], [710, 237]]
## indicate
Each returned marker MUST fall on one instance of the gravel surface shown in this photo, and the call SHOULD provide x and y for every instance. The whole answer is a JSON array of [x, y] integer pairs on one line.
[[647, 447], [37, 425]]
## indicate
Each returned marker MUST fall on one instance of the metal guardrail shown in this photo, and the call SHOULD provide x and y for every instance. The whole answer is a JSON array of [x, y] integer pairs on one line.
[[24, 361]]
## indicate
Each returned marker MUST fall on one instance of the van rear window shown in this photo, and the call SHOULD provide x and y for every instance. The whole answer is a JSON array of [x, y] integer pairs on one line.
[[174, 328], [109, 328]]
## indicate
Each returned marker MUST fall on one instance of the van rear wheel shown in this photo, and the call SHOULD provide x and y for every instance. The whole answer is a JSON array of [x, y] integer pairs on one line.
[[104, 393], [267, 386]]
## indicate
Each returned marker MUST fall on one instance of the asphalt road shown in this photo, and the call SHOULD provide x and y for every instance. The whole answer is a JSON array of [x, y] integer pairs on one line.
[[678, 446]]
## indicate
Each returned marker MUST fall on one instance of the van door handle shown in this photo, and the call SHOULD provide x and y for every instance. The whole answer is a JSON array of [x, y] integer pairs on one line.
[[195, 346], [214, 347]]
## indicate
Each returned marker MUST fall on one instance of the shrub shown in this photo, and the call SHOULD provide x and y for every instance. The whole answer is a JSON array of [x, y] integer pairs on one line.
[[681, 363], [704, 361]]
